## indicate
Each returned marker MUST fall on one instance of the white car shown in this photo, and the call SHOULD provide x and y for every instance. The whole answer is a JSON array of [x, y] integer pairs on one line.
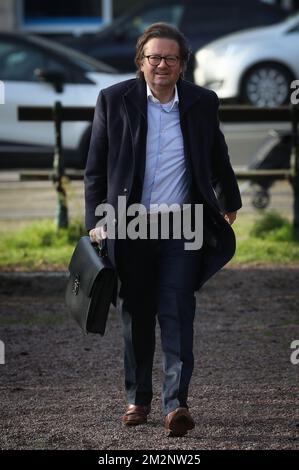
[[255, 66], [38, 72]]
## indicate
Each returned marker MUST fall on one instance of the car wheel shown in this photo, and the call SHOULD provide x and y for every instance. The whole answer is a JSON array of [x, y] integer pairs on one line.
[[261, 199], [266, 85]]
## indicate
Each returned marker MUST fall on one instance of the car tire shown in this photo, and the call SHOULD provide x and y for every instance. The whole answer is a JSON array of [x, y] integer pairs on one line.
[[261, 199], [266, 85]]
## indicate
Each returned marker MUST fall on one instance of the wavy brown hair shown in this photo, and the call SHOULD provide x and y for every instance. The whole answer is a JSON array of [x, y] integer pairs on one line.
[[162, 30]]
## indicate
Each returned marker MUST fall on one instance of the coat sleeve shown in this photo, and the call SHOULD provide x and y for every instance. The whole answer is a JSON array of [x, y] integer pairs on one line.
[[223, 177], [95, 178]]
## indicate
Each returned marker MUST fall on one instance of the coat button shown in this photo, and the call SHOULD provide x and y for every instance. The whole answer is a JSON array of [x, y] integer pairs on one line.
[[125, 190]]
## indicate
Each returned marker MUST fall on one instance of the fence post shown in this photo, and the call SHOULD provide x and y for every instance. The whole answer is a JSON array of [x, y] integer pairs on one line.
[[295, 164], [58, 175]]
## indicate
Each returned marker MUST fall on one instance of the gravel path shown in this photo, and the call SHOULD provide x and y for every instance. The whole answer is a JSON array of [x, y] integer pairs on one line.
[[62, 390]]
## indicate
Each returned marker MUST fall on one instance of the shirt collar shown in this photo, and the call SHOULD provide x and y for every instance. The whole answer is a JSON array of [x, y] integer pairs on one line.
[[153, 99]]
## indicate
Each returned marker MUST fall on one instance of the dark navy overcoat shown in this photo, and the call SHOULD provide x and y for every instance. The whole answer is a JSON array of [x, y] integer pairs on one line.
[[116, 162]]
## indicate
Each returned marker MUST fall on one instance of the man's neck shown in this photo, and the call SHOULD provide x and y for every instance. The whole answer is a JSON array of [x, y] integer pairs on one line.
[[163, 95]]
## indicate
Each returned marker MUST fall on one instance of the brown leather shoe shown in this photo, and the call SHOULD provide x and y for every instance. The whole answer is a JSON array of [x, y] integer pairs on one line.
[[179, 422], [136, 414]]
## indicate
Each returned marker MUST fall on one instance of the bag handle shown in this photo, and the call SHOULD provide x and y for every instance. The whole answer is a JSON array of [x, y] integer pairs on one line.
[[101, 247]]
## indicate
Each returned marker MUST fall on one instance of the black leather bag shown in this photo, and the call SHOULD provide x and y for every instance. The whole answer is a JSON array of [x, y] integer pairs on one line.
[[90, 286]]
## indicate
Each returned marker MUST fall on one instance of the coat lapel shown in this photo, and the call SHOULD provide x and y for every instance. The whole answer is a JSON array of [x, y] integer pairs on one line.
[[136, 100], [188, 96], [193, 132], [135, 103]]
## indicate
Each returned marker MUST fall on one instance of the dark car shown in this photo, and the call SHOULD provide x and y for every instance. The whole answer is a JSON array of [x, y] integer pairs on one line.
[[200, 20]]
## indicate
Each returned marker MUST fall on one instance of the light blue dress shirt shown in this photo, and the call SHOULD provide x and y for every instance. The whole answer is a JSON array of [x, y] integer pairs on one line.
[[167, 179]]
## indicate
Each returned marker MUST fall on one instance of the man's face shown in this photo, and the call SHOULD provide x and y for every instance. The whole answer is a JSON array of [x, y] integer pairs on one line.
[[162, 75]]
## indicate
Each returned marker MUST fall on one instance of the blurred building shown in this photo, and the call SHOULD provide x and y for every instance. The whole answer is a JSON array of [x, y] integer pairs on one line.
[[73, 17], [55, 15], [8, 16]]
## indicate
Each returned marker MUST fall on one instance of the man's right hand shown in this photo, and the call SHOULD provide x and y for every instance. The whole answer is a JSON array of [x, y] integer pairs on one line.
[[97, 234]]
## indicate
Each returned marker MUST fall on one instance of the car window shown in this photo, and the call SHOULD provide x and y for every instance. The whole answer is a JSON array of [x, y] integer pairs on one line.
[[169, 14], [18, 62], [85, 62]]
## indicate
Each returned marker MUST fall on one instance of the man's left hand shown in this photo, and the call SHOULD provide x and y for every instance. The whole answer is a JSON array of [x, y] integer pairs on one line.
[[230, 217]]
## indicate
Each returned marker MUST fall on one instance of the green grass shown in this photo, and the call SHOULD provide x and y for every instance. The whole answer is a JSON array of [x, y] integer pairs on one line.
[[267, 238], [39, 246]]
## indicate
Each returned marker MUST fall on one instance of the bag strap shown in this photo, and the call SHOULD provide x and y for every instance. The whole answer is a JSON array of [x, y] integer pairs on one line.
[[101, 247], [103, 250]]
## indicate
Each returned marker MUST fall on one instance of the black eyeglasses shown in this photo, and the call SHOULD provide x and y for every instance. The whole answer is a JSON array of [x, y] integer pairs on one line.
[[170, 60]]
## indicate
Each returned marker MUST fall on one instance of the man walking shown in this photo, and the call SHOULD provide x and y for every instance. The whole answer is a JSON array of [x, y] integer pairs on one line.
[[156, 139]]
